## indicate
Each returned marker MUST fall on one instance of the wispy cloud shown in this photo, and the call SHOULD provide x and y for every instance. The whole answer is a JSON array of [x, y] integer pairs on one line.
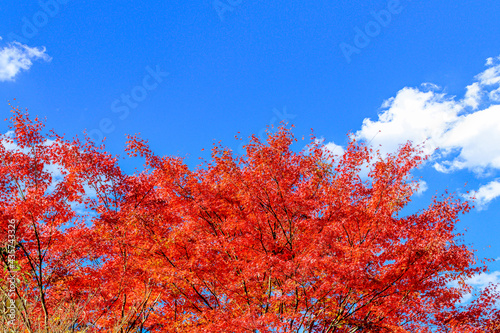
[[15, 57]]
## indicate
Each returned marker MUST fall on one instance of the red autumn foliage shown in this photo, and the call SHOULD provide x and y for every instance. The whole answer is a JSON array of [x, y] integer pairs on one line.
[[272, 241]]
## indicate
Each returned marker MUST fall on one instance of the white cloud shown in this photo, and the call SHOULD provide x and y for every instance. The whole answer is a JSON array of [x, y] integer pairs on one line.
[[479, 282], [457, 133], [485, 194], [7, 144], [490, 76], [473, 95], [490, 61], [477, 137], [334, 148], [412, 115], [16, 57], [467, 139], [482, 280], [6, 140], [55, 170], [421, 187]]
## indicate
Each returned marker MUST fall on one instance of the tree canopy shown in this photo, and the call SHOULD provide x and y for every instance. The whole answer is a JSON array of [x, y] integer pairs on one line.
[[271, 241]]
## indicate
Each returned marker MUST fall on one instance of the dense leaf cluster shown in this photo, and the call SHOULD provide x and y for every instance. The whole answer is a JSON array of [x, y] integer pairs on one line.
[[272, 241]]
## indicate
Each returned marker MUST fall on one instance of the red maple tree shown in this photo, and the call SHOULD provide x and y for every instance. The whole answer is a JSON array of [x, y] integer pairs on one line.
[[272, 241]]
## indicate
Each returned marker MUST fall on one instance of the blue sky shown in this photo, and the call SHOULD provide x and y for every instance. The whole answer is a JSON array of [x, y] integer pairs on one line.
[[186, 75]]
